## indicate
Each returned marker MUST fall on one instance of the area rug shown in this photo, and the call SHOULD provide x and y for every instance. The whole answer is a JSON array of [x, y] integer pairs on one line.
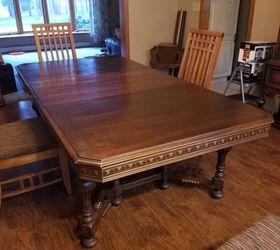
[[263, 235]]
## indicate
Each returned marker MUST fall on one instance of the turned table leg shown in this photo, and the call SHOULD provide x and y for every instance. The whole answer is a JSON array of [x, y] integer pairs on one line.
[[164, 181], [88, 217], [118, 193], [218, 180]]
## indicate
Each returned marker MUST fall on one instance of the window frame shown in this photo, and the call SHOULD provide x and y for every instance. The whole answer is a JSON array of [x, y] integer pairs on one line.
[[18, 17]]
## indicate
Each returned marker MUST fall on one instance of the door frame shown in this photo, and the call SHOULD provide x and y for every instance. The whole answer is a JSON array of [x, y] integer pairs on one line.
[[204, 16], [124, 27], [250, 19]]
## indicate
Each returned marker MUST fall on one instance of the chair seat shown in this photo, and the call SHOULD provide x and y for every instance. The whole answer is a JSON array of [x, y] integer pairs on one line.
[[27, 142], [25, 137]]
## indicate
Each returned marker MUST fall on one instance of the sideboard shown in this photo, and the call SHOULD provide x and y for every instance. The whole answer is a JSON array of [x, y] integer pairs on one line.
[[272, 84]]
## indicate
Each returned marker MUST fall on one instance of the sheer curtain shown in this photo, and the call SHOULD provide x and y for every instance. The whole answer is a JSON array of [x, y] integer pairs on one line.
[[99, 19]]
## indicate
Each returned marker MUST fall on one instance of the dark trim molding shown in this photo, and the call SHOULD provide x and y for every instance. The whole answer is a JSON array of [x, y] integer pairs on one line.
[[124, 26], [250, 19]]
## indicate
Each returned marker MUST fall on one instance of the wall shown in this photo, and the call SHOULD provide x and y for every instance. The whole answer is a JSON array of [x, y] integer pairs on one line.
[[150, 22], [114, 15], [266, 20], [192, 7], [26, 42]]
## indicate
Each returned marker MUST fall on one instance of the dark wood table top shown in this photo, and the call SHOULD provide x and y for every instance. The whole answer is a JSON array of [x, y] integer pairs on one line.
[[116, 117]]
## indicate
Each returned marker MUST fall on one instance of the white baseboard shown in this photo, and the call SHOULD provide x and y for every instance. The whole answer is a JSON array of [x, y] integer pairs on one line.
[[222, 79]]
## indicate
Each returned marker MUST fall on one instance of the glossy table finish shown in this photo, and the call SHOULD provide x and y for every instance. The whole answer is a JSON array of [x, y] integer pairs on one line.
[[116, 117]]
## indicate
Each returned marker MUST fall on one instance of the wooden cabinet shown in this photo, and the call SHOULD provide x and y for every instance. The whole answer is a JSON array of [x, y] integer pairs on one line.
[[272, 83], [272, 77]]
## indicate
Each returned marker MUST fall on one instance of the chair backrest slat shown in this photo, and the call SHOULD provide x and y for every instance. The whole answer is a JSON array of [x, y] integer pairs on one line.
[[61, 45], [55, 43], [50, 42], [66, 44], [54, 40], [200, 57]]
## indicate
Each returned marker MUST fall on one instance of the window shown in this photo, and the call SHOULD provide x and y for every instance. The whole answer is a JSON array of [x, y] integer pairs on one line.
[[7, 17], [31, 12], [18, 16], [82, 14], [58, 11]]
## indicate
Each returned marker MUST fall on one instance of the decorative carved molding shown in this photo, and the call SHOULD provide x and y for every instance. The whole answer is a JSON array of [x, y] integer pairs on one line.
[[124, 169], [90, 171]]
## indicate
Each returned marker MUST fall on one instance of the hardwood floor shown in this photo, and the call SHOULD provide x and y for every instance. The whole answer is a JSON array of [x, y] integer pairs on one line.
[[181, 217]]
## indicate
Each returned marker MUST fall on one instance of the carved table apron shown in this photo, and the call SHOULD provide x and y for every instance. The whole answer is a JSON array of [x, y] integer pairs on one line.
[[116, 118]]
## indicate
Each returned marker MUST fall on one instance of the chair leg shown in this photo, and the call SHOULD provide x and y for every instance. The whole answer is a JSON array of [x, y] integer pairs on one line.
[[63, 160], [230, 80], [242, 86], [227, 87]]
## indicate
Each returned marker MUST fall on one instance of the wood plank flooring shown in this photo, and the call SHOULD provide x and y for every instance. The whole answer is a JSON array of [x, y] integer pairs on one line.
[[181, 217]]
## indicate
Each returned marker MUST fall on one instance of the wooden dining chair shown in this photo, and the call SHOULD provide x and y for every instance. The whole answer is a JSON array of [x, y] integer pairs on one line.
[[200, 57], [54, 41], [25, 142], [198, 67]]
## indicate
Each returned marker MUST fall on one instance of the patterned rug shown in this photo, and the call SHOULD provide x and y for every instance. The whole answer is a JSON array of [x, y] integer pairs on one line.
[[263, 235]]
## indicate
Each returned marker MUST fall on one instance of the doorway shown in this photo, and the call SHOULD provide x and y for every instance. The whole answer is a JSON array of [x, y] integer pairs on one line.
[[242, 29], [244, 26]]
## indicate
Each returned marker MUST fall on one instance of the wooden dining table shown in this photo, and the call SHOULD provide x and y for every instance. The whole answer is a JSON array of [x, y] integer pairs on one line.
[[116, 118]]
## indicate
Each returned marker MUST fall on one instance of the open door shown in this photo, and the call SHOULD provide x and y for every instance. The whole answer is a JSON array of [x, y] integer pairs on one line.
[[222, 15]]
